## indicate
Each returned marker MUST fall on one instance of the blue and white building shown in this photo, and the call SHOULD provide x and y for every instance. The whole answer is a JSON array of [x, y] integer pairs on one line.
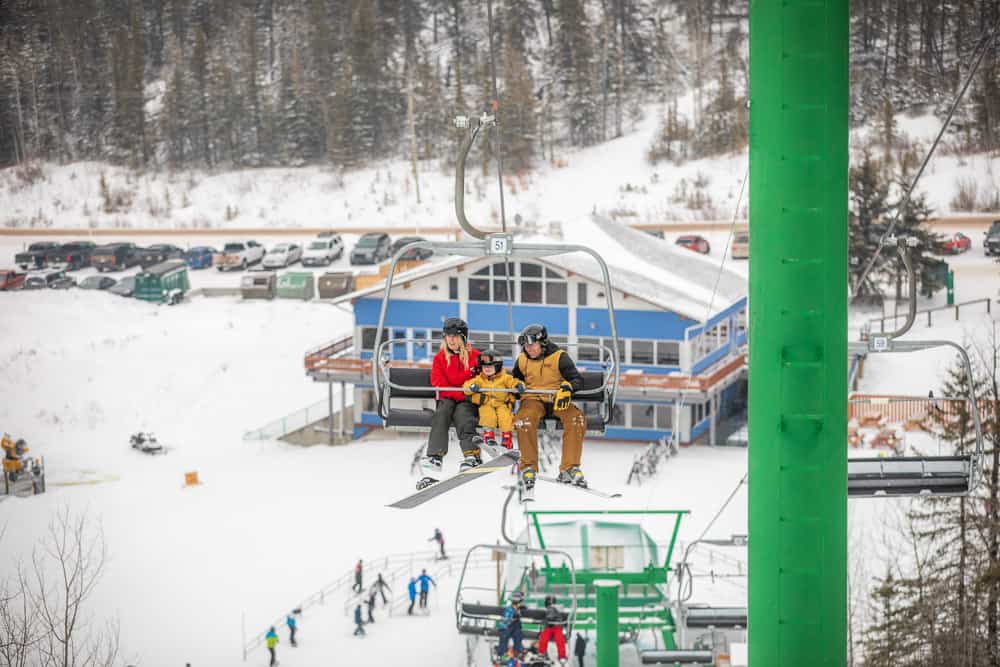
[[681, 324]]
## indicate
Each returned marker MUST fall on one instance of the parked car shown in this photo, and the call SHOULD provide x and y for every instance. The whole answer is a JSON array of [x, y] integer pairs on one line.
[[124, 287], [47, 278], [282, 255], [156, 253], [11, 280], [414, 253], [694, 242], [114, 257], [957, 244], [328, 235], [658, 233], [371, 248], [34, 256], [97, 282], [323, 251], [741, 245], [166, 282], [70, 256], [992, 241], [239, 255], [200, 257]]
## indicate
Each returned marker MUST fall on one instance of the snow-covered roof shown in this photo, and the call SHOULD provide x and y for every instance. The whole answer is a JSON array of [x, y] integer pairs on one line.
[[641, 265]]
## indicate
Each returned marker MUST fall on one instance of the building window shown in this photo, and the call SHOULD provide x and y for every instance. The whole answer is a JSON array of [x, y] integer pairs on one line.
[[665, 417], [531, 291], [741, 323], [479, 289], [499, 281], [555, 293], [368, 400], [453, 288], [643, 416], [668, 353], [587, 349], [368, 337], [642, 352], [617, 416], [581, 294]]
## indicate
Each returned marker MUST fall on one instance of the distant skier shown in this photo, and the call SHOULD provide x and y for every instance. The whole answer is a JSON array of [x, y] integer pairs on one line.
[[382, 587], [359, 622], [358, 575], [371, 603], [425, 584], [439, 538], [411, 588], [510, 625], [272, 640], [292, 627], [554, 620], [580, 648]]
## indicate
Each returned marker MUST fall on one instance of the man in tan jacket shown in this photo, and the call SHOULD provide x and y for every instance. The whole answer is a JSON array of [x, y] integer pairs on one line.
[[544, 365]]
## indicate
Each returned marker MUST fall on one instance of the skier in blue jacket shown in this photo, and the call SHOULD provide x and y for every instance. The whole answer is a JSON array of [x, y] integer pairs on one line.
[[359, 622], [510, 625], [425, 584], [411, 588], [292, 627]]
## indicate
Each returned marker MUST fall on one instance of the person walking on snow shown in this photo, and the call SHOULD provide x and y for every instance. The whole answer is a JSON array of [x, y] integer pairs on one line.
[[271, 638], [382, 588], [494, 407], [371, 603], [580, 648], [411, 589], [358, 575], [425, 582], [554, 620], [544, 365], [359, 622], [438, 537], [292, 627], [454, 363]]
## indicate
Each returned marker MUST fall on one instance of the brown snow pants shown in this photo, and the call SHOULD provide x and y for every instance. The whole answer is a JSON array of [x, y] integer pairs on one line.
[[526, 421]]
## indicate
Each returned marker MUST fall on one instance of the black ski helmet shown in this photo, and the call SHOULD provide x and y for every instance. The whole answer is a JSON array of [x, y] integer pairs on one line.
[[490, 357], [533, 333], [455, 326]]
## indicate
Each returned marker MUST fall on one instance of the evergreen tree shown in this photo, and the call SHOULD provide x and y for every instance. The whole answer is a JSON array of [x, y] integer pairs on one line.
[[575, 58], [867, 208]]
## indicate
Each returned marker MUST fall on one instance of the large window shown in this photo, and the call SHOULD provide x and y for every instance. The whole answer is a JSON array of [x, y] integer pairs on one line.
[[453, 288], [368, 337], [642, 352], [664, 417], [643, 416], [668, 353], [528, 283]]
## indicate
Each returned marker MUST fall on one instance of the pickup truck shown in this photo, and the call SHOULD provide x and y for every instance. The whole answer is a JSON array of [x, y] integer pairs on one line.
[[156, 253], [11, 280], [70, 256], [114, 257], [34, 256], [239, 255]]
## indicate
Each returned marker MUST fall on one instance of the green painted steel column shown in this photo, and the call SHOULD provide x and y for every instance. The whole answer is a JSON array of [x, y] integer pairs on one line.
[[607, 622], [798, 332]]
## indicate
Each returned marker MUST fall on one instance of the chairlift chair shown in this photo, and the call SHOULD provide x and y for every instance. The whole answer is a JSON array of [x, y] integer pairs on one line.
[[916, 475]]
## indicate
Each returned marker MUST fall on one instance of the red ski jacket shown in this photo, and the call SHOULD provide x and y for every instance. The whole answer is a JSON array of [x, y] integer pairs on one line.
[[444, 374]]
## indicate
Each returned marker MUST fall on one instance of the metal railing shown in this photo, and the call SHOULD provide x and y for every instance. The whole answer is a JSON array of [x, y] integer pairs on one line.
[[294, 421], [929, 312]]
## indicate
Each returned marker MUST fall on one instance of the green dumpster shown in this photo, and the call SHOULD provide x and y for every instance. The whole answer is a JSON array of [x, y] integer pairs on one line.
[[166, 282], [296, 285]]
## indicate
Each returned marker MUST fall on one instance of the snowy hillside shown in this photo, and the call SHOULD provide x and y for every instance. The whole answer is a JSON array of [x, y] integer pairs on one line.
[[613, 178]]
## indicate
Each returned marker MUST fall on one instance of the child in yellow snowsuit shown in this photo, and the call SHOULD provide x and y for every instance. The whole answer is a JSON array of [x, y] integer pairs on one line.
[[494, 407]]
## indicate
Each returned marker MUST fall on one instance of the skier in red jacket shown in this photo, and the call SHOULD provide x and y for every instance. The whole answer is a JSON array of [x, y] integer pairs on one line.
[[454, 363]]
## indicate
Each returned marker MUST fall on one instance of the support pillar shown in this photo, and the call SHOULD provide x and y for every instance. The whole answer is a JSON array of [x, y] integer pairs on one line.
[[798, 332], [343, 409], [329, 418], [607, 622]]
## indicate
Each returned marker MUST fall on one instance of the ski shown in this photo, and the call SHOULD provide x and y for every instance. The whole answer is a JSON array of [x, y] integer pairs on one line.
[[447, 484], [587, 489]]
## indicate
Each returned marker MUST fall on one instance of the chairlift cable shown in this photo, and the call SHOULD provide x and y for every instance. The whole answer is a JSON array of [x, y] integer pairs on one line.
[[496, 112], [981, 49], [725, 250]]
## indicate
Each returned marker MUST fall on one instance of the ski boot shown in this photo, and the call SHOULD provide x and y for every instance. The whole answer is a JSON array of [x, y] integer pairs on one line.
[[574, 476], [490, 438], [431, 467], [471, 460], [527, 484], [507, 440]]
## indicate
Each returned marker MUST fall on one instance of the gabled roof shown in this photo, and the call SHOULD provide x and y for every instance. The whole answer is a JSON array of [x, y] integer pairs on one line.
[[640, 265]]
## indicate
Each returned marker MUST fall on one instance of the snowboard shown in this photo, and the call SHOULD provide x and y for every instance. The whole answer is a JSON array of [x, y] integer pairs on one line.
[[447, 484], [586, 489]]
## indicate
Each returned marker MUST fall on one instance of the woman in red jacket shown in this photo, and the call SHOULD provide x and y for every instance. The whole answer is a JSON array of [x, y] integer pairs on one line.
[[454, 363]]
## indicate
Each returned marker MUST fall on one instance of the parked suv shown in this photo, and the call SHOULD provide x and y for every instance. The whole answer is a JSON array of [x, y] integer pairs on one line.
[[323, 251], [114, 257], [371, 248], [46, 278], [412, 253], [34, 256], [156, 253], [70, 256], [992, 241]]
